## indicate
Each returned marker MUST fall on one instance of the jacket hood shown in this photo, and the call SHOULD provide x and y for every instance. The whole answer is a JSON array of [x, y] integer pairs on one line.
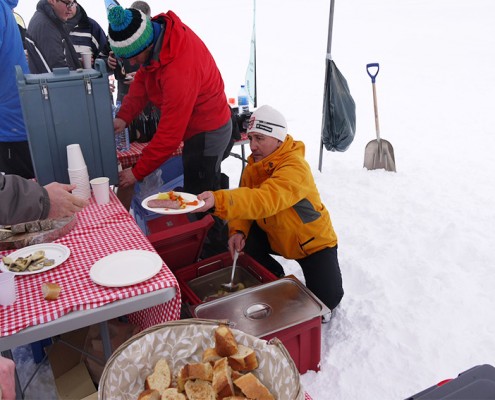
[[172, 40]]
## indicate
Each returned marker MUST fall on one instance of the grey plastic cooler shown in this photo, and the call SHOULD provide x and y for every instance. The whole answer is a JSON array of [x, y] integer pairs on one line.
[[65, 107]]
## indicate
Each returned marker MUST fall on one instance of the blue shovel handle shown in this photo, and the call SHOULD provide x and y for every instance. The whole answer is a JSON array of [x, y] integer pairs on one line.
[[372, 65]]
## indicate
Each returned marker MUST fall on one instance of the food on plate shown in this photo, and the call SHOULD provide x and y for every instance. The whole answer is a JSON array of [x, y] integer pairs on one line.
[[33, 262], [161, 377], [171, 200], [29, 227], [50, 291], [159, 203], [5, 233], [213, 378]]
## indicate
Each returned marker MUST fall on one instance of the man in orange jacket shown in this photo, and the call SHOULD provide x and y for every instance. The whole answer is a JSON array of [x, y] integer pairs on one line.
[[277, 209]]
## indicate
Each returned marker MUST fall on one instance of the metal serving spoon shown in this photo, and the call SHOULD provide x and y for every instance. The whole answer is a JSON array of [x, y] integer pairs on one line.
[[231, 287]]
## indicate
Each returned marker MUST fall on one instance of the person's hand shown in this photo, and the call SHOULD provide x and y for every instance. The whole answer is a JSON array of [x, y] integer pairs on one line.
[[129, 78], [209, 200], [126, 178], [111, 60], [7, 379], [62, 202], [118, 125], [236, 242]]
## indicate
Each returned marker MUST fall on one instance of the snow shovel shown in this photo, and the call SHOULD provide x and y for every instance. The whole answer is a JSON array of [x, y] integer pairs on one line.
[[379, 153]]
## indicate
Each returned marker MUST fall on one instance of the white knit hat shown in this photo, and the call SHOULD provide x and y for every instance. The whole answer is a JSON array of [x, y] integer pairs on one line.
[[268, 121]]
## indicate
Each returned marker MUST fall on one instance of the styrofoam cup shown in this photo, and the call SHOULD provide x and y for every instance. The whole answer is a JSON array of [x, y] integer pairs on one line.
[[101, 189], [7, 289], [86, 60], [75, 159]]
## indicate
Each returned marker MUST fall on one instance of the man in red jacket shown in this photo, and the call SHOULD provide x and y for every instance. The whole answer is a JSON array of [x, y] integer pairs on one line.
[[179, 76]]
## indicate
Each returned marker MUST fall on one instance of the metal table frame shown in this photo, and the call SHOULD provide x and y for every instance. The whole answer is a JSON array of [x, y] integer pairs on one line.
[[80, 319]]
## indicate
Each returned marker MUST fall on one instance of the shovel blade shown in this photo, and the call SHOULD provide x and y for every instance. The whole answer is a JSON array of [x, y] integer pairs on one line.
[[379, 154]]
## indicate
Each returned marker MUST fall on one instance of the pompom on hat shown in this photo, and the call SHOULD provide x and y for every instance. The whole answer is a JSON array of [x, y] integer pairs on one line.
[[268, 121], [130, 32]]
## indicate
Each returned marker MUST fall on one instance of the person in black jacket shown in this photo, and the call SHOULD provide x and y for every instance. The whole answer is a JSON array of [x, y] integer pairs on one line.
[[47, 41], [86, 34]]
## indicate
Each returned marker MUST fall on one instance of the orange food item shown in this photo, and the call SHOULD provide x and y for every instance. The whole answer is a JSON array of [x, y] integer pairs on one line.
[[192, 203]]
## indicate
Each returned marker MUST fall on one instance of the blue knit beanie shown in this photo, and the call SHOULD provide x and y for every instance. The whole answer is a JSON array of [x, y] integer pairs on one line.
[[130, 31]]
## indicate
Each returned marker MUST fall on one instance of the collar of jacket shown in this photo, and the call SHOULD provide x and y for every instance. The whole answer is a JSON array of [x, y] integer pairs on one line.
[[158, 32], [80, 19], [288, 147], [45, 7]]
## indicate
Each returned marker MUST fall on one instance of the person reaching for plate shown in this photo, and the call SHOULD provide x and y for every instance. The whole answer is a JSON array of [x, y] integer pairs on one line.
[[277, 209]]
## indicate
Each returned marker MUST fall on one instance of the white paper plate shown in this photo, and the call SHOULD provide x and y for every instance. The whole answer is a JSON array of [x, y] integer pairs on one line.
[[167, 211], [55, 251], [125, 268]]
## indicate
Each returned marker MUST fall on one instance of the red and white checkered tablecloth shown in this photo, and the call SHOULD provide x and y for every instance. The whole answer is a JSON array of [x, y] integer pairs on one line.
[[307, 396], [100, 231], [128, 158]]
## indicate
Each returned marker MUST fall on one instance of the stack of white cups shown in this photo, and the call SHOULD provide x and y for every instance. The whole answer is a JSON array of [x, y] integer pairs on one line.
[[78, 171]]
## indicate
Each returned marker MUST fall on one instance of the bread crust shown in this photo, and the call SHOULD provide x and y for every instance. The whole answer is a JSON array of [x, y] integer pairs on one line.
[[225, 343], [161, 378], [252, 387], [149, 394], [172, 394], [222, 379], [199, 390], [203, 371], [244, 360], [50, 291]]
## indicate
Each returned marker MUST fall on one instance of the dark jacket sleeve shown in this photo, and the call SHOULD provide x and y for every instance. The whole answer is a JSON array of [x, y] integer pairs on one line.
[[22, 200]]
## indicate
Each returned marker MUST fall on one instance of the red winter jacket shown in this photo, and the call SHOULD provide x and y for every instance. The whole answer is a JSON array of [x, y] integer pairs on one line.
[[183, 80]]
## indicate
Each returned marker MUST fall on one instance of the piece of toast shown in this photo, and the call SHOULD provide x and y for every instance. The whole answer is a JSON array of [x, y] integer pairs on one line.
[[172, 394], [252, 387], [199, 390], [222, 379], [161, 378], [210, 355], [225, 343], [150, 394], [203, 371], [244, 360]]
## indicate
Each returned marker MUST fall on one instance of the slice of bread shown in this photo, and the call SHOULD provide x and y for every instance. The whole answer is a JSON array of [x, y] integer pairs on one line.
[[199, 390], [172, 394], [150, 394], [244, 360], [252, 388], [161, 377], [222, 379], [210, 355], [225, 343], [203, 371]]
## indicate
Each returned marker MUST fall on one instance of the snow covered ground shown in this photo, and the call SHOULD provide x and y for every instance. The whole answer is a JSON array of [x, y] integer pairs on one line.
[[415, 247]]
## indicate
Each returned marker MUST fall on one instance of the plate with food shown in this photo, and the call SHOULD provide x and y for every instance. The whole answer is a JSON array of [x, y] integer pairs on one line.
[[35, 259], [172, 203]]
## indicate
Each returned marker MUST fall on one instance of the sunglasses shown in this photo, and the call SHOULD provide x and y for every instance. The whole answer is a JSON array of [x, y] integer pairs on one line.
[[68, 4]]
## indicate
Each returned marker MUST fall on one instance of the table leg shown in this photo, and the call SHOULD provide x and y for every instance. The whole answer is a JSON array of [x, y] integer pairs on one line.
[[105, 337]]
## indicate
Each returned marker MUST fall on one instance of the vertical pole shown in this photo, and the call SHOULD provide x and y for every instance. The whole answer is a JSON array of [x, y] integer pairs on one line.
[[327, 64]]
